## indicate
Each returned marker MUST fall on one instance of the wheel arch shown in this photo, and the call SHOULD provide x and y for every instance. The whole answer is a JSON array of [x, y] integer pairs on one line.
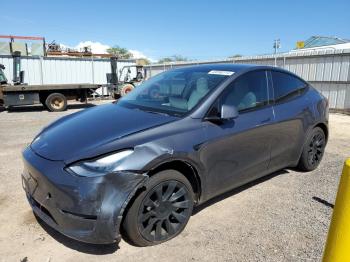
[[321, 125], [186, 169], [300, 163], [324, 128]]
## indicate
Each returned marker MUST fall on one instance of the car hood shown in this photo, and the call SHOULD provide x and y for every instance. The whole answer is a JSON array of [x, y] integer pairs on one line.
[[92, 128]]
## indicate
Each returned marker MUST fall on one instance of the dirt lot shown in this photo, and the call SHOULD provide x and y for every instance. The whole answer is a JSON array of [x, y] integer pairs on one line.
[[283, 217]]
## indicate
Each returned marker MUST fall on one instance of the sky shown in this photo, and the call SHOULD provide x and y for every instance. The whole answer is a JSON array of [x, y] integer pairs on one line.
[[196, 29]]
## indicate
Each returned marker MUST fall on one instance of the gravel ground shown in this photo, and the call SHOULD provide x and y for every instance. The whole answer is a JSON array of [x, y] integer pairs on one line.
[[283, 217]]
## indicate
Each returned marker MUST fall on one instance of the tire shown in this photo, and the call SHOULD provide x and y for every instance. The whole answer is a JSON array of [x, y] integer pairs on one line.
[[116, 96], [56, 102], [126, 89], [150, 221], [313, 150]]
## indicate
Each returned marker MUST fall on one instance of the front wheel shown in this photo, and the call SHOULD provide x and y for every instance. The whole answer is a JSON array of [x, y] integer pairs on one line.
[[160, 212], [126, 88], [313, 150]]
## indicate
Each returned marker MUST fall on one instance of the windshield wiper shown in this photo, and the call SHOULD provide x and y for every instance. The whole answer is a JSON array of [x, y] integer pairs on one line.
[[151, 111], [156, 112]]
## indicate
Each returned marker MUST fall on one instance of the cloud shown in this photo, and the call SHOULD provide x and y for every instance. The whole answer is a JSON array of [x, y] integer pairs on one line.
[[99, 48], [96, 47], [137, 54]]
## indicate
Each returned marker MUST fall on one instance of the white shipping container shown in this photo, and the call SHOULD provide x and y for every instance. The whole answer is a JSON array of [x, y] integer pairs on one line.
[[62, 70]]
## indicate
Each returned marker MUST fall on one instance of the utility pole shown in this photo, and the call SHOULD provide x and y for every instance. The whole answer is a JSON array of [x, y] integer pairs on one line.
[[276, 46]]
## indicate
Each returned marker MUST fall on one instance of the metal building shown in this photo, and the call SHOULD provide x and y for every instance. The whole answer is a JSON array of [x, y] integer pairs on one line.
[[326, 70]]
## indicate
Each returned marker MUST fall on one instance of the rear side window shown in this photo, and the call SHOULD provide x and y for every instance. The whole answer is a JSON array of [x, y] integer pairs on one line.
[[286, 86]]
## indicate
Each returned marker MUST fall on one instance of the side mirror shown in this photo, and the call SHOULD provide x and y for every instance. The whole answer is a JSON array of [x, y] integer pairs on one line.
[[2, 67], [228, 112]]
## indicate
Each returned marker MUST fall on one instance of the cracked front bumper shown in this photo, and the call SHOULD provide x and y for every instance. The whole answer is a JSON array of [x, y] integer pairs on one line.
[[88, 209]]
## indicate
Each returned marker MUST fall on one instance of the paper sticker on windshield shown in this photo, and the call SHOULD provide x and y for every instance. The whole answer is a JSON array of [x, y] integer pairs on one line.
[[219, 72]]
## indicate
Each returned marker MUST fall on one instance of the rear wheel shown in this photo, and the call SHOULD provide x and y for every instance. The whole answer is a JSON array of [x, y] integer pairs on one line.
[[160, 212], [313, 150], [56, 102]]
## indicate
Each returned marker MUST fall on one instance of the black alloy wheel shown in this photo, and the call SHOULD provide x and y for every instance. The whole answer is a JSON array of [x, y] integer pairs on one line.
[[160, 212], [164, 211], [313, 150], [316, 148]]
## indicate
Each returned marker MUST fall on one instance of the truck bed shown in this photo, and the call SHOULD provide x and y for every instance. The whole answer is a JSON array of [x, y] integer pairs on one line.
[[24, 88]]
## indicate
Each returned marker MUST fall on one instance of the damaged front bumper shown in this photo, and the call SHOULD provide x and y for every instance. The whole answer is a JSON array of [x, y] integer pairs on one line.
[[88, 209]]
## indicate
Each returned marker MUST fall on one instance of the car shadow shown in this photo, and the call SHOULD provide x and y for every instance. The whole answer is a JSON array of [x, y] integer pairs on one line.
[[40, 108], [235, 191], [95, 249]]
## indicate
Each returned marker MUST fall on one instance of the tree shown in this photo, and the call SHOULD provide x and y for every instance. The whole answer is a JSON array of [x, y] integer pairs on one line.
[[174, 58], [165, 60], [235, 56], [179, 58], [143, 61], [119, 52]]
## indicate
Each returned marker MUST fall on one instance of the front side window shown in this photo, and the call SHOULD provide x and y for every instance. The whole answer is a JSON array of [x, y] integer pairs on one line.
[[247, 92], [286, 86], [174, 92]]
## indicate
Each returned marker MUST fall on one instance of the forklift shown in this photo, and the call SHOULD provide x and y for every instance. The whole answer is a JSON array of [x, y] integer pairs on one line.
[[128, 78]]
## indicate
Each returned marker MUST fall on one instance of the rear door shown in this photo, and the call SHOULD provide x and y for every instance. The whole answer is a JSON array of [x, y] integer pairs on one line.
[[238, 150], [292, 110]]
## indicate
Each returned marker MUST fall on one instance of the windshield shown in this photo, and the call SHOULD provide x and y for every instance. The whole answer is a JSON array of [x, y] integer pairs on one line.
[[174, 92]]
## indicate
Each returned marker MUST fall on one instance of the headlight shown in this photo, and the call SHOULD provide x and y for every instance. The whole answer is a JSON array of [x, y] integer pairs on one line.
[[100, 166]]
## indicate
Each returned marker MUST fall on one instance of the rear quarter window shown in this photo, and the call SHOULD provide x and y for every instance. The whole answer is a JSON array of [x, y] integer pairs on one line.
[[286, 86]]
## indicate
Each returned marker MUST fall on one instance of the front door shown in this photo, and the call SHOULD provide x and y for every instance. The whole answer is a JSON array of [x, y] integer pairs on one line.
[[238, 150]]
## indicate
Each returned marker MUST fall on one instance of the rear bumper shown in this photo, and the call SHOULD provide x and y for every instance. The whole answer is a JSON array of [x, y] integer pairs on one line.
[[83, 208]]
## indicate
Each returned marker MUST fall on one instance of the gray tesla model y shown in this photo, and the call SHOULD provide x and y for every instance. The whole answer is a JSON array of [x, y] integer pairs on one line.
[[138, 166]]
